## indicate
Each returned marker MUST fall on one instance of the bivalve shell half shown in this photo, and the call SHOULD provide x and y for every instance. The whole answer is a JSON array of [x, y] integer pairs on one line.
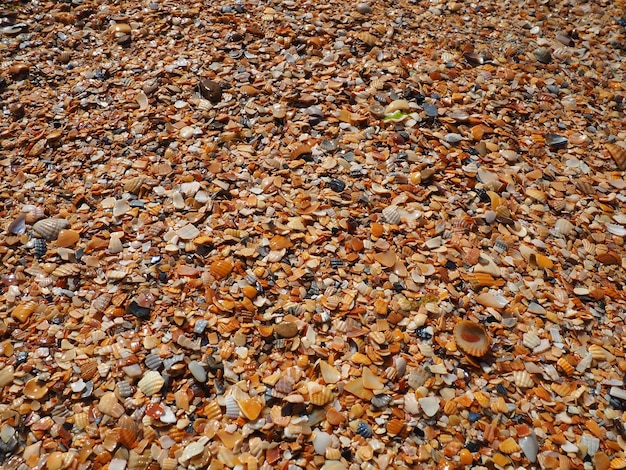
[[619, 155], [392, 215], [151, 383], [509, 446], [523, 379], [109, 405], [220, 269], [472, 338], [50, 228], [322, 397], [34, 390]]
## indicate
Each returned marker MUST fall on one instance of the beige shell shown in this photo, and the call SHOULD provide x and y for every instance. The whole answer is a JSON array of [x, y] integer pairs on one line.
[[322, 397], [523, 379], [531, 340], [23, 311], [151, 383], [220, 269], [563, 226], [50, 228], [472, 338], [138, 461], [392, 215], [109, 405], [169, 464], [67, 270]]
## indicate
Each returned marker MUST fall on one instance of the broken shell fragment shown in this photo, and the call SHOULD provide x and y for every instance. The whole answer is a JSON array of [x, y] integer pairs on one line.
[[472, 338]]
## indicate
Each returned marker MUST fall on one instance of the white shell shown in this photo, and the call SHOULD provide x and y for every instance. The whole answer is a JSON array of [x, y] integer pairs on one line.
[[564, 227], [50, 228], [232, 408], [392, 214]]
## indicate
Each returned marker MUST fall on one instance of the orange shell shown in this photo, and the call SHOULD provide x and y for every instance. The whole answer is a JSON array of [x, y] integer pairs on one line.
[[472, 338], [220, 269], [249, 291], [278, 242], [395, 427]]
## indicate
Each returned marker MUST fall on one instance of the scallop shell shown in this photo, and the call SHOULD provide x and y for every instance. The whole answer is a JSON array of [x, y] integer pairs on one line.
[[124, 389], [509, 446], [364, 429], [220, 269], [536, 194], [563, 226], [472, 338], [153, 361], [392, 215], [523, 379], [618, 463], [127, 438], [322, 397], [151, 383], [619, 155], [50, 228]]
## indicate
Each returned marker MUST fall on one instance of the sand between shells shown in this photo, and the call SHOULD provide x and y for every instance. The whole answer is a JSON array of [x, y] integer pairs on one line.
[[312, 235]]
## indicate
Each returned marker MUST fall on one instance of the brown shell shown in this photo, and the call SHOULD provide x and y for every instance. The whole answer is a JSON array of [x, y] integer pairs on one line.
[[322, 397], [619, 155], [278, 242], [220, 269], [472, 338]]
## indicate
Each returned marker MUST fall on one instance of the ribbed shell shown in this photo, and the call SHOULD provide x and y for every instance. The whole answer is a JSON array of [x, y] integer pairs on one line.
[[153, 361], [232, 408], [50, 228], [472, 338], [364, 429], [151, 383]]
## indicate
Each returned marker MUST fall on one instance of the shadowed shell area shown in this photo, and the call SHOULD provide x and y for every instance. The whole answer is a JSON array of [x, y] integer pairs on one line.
[[312, 234]]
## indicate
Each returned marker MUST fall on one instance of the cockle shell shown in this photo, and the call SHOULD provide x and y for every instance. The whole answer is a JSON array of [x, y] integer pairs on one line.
[[522, 379], [509, 446], [213, 411], [67, 270], [151, 383], [472, 338], [34, 390], [232, 408], [392, 215], [322, 397], [220, 269], [50, 228], [368, 38]]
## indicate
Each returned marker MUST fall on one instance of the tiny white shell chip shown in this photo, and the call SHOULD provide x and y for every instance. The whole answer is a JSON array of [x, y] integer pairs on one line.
[[430, 405]]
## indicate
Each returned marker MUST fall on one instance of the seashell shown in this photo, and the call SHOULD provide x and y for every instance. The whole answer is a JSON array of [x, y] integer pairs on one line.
[[541, 261], [220, 269], [169, 463], [213, 411], [153, 361], [522, 379], [585, 187], [300, 149], [124, 389], [472, 338], [618, 463], [599, 353], [18, 226], [565, 366], [250, 407], [387, 258], [232, 408], [231, 232], [392, 215], [610, 257], [619, 155], [503, 215], [88, 370], [364, 429], [151, 383], [127, 437], [509, 446], [395, 427], [491, 299], [543, 55], [536, 194], [101, 302], [367, 38], [50, 228], [478, 280], [110, 406], [563, 226], [116, 274], [561, 389], [138, 461], [23, 311], [134, 185], [39, 247], [322, 397], [34, 390], [67, 270], [67, 238], [531, 340], [279, 242], [284, 385]]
